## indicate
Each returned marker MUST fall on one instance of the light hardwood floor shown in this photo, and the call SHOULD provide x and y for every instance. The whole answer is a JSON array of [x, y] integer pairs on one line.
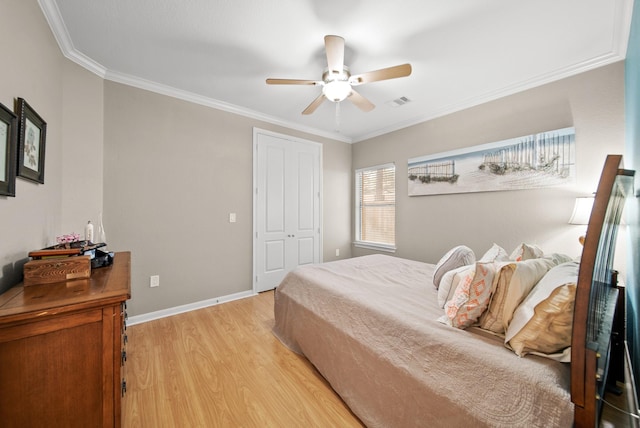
[[222, 367]]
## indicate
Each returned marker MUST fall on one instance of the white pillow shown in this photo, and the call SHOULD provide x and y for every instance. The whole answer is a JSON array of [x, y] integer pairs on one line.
[[495, 254], [449, 283], [455, 257], [559, 258], [527, 274], [543, 323], [526, 252]]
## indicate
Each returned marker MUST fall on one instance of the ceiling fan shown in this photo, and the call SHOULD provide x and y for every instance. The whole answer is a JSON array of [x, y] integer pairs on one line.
[[337, 82]]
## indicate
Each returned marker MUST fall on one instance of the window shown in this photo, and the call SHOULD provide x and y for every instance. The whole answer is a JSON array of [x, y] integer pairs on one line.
[[376, 207]]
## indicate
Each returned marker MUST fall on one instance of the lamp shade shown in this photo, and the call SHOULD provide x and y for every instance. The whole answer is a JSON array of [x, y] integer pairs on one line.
[[582, 210]]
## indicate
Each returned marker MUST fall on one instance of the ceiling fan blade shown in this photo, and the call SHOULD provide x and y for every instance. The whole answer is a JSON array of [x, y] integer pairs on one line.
[[382, 74], [361, 102], [314, 105], [334, 47], [292, 82]]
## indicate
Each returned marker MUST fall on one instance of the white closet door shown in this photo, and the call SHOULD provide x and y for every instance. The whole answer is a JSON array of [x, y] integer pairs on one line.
[[287, 207]]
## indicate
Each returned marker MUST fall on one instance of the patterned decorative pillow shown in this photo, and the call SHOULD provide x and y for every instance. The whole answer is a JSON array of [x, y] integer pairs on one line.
[[543, 323], [449, 283], [526, 252], [495, 254], [491, 319], [471, 296], [455, 257], [514, 282]]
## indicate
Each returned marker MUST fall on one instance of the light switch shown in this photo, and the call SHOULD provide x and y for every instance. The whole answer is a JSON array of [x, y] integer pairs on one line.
[[154, 281], [232, 217]]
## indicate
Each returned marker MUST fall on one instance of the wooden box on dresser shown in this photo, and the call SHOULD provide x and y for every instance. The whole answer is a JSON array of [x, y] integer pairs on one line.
[[62, 350]]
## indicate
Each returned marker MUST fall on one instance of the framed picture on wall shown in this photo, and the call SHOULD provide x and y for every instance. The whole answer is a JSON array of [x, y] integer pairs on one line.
[[31, 142], [532, 161], [8, 151]]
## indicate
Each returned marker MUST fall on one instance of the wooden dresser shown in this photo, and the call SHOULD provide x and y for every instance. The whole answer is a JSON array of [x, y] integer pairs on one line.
[[62, 350]]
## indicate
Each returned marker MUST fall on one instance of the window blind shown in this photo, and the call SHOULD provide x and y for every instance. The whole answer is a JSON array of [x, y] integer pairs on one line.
[[376, 205]]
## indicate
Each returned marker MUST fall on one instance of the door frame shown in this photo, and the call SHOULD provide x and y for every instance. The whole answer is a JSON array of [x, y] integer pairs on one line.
[[256, 132]]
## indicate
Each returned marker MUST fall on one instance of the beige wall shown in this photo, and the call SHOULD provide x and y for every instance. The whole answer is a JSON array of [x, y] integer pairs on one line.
[[82, 160], [167, 171], [174, 171], [427, 226], [68, 98]]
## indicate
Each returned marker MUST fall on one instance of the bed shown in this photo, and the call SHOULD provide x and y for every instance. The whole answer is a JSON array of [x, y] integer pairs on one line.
[[373, 327]]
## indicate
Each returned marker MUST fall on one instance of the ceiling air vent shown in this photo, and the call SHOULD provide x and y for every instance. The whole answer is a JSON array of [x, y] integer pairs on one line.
[[399, 102]]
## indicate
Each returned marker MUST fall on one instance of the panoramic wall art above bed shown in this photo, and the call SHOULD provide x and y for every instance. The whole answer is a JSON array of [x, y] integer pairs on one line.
[[532, 161]]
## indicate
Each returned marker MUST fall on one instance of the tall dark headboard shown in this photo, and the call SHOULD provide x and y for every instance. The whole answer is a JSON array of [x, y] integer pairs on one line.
[[596, 294]]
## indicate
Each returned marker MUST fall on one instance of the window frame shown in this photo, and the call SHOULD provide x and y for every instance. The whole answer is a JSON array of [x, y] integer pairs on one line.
[[358, 242]]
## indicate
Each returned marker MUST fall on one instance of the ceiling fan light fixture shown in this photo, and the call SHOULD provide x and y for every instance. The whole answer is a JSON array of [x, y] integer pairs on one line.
[[337, 80], [336, 90]]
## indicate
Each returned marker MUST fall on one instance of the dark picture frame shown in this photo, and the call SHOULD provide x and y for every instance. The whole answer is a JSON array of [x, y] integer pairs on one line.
[[32, 137], [8, 151]]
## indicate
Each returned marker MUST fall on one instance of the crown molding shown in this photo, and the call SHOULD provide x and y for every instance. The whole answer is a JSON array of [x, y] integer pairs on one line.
[[59, 29], [169, 91], [619, 42], [524, 85], [617, 52]]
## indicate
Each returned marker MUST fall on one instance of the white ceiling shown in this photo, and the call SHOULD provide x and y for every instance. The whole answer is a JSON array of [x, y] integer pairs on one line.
[[219, 52]]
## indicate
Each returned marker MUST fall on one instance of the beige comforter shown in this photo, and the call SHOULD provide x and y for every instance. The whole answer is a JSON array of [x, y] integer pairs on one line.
[[369, 326]]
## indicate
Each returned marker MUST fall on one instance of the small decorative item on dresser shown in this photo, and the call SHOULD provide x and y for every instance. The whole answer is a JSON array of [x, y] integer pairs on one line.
[[101, 259], [51, 270], [49, 253], [88, 231], [102, 236], [66, 240]]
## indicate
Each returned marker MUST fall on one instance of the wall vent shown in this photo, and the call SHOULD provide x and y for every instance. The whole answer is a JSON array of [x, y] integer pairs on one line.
[[399, 102]]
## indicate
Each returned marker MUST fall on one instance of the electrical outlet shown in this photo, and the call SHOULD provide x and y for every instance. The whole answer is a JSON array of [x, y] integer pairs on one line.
[[232, 217], [337, 252], [154, 281]]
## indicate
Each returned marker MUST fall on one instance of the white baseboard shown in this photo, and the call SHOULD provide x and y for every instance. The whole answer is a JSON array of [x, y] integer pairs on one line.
[[138, 319]]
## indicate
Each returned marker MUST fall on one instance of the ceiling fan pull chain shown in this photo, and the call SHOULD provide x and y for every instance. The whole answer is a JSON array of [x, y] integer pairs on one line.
[[337, 116]]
